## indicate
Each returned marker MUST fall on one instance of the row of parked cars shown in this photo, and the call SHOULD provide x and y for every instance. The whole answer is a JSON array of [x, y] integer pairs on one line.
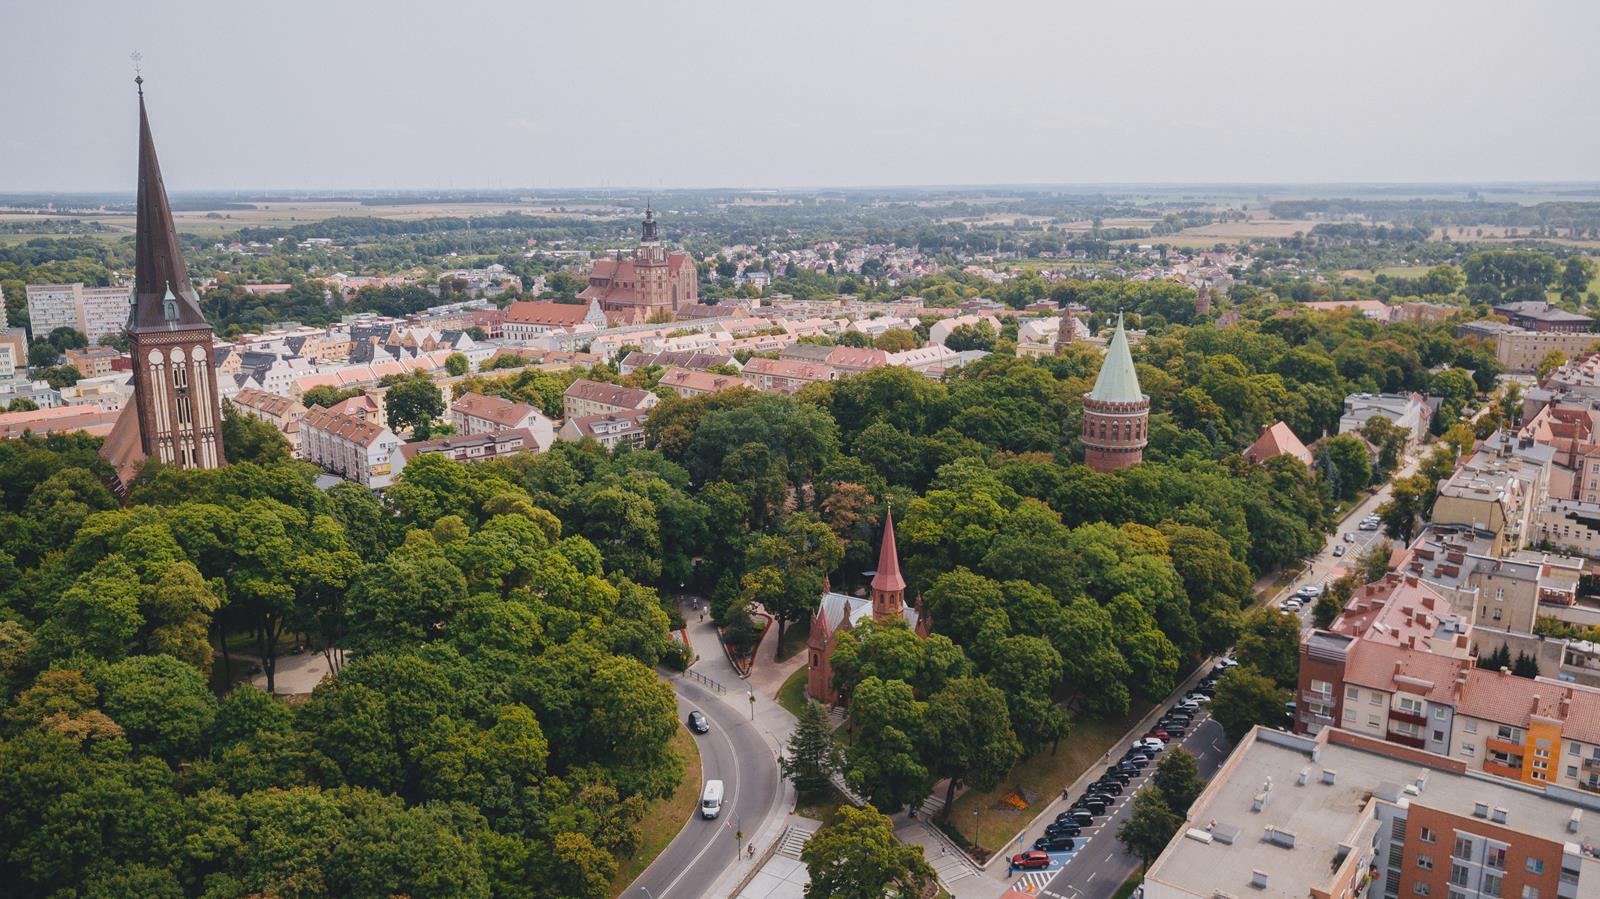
[[1062, 834], [1303, 597]]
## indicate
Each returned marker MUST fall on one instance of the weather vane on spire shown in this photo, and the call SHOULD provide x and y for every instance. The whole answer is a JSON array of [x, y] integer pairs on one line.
[[138, 72]]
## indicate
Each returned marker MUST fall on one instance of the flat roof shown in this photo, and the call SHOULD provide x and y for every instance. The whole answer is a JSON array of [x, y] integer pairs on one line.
[[1325, 818]]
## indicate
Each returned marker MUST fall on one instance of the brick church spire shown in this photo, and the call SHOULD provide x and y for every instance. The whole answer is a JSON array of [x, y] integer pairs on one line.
[[888, 587], [175, 414]]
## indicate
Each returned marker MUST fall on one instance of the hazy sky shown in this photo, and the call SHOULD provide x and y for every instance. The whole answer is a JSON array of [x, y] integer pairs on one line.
[[682, 93]]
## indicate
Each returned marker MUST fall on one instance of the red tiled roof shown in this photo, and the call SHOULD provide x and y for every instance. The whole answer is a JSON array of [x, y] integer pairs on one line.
[[492, 408], [887, 578], [1377, 665], [542, 313], [609, 394], [359, 431], [1277, 440]]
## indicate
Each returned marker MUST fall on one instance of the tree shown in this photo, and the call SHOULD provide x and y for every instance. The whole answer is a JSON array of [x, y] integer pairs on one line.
[[328, 396], [246, 438], [1246, 698], [969, 736], [980, 336], [1407, 503], [1576, 274], [1551, 361], [896, 340], [1525, 665], [456, 364], [885, 757], [1178, 778], [1347, 458], [1149, 828], [813, 757], [859, 857], [1269, 642], [412, 403]]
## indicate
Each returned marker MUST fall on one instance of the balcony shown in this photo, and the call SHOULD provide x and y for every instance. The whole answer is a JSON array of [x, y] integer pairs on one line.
[[1407, 740], [1314, 696], [1591, 764], [1589, 786], [1417, 718]]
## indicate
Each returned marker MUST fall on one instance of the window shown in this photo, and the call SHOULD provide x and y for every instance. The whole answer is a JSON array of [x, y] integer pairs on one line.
[[1458, 875], [1470, 727], [1321, 686], [1372, 721], [1428, 835], [1499, 594], [1530, 892], [1496, 615], [1425, 862], [1534, 865], [1407, 729], [1574, 748], [1495, 858], [1490, 886], [1469, 749], [1410, 705], [1439, 713], [1377, 699], [1350, 714], [1572, 770], [1420, 888], [1506, 732], [1438, 736], [1541, 753], [1462, 849]]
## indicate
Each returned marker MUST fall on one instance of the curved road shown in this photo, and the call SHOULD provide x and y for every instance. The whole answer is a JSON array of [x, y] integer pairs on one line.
[[735, 753]]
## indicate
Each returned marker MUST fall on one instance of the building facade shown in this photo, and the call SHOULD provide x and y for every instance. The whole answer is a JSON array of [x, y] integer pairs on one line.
[[352, 447], [651, 284], [474, 414], [1116, 413], [584, 398]]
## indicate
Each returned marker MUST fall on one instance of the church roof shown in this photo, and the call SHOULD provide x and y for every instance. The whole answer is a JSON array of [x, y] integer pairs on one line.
[[1118, 382], [1277, 439], [837, 609], [887, 578], [158, 265]]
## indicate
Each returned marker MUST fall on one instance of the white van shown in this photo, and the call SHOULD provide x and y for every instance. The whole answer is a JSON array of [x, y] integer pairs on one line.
[[711, 799]]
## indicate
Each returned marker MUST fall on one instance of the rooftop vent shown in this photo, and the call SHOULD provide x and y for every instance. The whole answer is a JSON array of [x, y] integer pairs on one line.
[[1575, 820], [1198, 835], [1277, 836], [1328, 775], [1499, 816], [1304, 778], [1480, 810], [1258, 879], [1422, 779]]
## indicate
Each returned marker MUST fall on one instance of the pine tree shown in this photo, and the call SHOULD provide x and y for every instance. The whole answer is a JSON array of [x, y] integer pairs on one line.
[[1494, 661], [1525, 666], [813, 757]]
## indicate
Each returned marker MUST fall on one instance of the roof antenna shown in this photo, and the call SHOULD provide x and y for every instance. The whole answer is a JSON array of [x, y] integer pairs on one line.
[[138, 73]]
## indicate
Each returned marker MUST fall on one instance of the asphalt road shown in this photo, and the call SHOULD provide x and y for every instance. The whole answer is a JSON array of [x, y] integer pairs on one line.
[[734, 753]]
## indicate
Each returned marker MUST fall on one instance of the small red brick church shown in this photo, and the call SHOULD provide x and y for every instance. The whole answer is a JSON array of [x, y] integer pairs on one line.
[[838, 612]]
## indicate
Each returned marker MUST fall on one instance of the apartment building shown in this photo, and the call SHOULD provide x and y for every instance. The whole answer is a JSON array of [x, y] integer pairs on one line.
[[1406, 410], [525, 320], [611, 430], [1520, 350], [283, 412], [783, 376], [93, 361], [475, 413], [687, 382], [479, 447], [351, 446], [1342, 815], [584, 398], [94, 311]]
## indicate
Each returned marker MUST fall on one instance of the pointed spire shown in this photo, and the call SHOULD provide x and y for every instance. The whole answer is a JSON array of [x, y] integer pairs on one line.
[[887, 578], [1117, 382], [159, 270]]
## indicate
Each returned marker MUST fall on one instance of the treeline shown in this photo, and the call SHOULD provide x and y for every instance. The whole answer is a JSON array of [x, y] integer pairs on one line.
[[1563, 214]]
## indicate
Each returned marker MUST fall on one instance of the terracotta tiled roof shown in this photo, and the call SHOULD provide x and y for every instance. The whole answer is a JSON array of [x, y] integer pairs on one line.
[[1383, 667], [784, 368], [273, 404], [1277, 440], [703, 381], [359, 431], [459, 441], [609, 394], [493, 408], [542, 313]]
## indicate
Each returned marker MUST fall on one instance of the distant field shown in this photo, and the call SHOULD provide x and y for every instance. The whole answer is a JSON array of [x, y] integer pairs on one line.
[[1229, 232], [1393, 271]]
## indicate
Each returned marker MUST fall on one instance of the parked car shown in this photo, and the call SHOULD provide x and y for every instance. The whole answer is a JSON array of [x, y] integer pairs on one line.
[[1199, 698], [1152, 744], [1338, 551], [1120, 777], [1290, 605], [1054, 844], [1179, 714], [1030, 859], [1103, 798], [1177, 731], [1092, 807], [1159, 734], [1368, 525], [1063, 825], [1138, 762], [1080, 818], [699, 723], [1106, 785], [1349, 537]]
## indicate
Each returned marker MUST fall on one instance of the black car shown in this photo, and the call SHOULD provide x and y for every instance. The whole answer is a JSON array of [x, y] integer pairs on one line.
[[1179, 715], [1080, 818], [698, 722], [1063, 826], [1128, 768], [1115, 772], [1106, 785], [1095, 806], [1097, 796], [1053, 844], [1176, 731]]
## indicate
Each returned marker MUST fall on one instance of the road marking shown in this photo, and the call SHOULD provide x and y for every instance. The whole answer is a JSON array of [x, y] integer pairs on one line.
[[1091, 879], [1111, 856]]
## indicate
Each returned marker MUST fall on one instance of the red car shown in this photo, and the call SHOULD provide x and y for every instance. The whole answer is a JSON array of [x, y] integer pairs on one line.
[[1158, 733], [1031, 859]]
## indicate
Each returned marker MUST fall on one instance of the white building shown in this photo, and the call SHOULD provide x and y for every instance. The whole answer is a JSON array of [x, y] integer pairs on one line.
[[94, 311], [105, 311], [352, 447], [477, 414], [1407, 410]]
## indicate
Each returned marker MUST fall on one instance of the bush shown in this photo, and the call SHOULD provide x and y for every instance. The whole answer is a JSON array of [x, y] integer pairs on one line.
[[677, 657]]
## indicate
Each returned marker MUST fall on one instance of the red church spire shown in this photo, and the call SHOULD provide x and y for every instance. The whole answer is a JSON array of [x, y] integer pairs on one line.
[[163, 297], [887, 578]]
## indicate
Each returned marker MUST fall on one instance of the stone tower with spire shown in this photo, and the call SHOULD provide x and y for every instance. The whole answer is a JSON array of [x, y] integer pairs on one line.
[[838, 613], [175, 415], [1116, 414]]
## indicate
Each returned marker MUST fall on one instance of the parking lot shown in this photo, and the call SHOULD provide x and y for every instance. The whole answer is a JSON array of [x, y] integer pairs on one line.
[[1097, 862]]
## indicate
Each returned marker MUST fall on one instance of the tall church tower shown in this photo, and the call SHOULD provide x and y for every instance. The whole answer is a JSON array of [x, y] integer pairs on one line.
[[1116, 414], [175, 415], [888, 587]]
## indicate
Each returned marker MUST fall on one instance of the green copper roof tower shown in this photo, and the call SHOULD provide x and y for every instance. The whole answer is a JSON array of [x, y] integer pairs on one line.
[[1118, 382]]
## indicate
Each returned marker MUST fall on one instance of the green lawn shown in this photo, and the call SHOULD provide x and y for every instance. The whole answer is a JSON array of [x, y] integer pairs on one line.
[[821, 808], [1043, 776], [665, 817], [792, 695]]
